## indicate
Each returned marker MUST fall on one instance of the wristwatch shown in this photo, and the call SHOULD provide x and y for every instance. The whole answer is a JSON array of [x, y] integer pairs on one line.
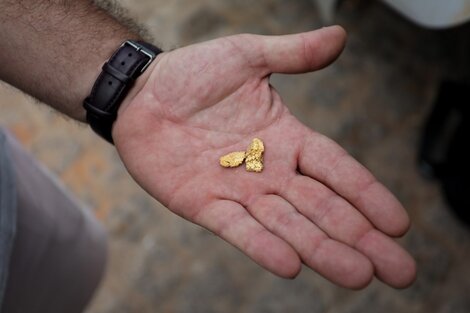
[[118, 75]]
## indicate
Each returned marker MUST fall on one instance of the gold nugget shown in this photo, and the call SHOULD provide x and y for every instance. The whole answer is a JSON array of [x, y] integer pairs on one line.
[[254, 156], [233, 159]]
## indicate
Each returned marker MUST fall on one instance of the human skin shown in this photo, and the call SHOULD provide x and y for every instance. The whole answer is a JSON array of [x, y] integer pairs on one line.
[[312, 204]]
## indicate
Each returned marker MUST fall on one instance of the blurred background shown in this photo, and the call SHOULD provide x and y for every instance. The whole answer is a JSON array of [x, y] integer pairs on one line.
[[373, 100]]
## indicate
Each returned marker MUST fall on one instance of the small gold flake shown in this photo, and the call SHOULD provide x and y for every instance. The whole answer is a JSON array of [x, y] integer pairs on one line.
[[233, 159], [254, 156]]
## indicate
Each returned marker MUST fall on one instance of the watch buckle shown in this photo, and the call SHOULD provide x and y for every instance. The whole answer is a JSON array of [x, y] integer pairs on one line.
[[139, 48]]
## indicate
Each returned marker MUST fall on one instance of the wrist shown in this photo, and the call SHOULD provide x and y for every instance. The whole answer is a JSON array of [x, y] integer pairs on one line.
[[53, 50], [135, 98], [91, 72], [139, 84], [116, 83]]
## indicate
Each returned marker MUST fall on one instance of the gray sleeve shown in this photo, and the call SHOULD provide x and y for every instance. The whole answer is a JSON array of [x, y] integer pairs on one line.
[[7, 211]]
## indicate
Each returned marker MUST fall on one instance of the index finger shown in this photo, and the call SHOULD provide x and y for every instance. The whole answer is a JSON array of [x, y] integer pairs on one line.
[[324, 160]]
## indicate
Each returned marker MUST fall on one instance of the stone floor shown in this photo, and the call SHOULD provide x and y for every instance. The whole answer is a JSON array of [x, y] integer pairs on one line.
[[373, 101]]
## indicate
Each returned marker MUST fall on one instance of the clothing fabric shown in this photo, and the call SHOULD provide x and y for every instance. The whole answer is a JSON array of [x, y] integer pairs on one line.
[[7, 211], [58, 252]]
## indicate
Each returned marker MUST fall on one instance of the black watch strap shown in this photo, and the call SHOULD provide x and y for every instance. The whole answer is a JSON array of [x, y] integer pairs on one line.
[[117, 77]]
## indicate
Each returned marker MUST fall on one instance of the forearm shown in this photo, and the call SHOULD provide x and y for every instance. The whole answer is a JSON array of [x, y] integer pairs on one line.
[[54, 50]]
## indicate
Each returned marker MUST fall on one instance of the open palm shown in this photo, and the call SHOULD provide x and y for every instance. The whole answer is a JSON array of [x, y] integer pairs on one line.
[[312, 204]]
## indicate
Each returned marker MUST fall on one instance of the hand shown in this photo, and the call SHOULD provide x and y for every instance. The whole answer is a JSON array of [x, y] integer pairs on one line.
[[312, 204]]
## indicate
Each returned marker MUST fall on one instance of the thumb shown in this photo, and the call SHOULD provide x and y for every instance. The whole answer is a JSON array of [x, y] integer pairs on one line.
[[304, 52]]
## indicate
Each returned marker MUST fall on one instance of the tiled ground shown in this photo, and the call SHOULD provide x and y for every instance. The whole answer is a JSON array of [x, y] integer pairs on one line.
[[373, 101]]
